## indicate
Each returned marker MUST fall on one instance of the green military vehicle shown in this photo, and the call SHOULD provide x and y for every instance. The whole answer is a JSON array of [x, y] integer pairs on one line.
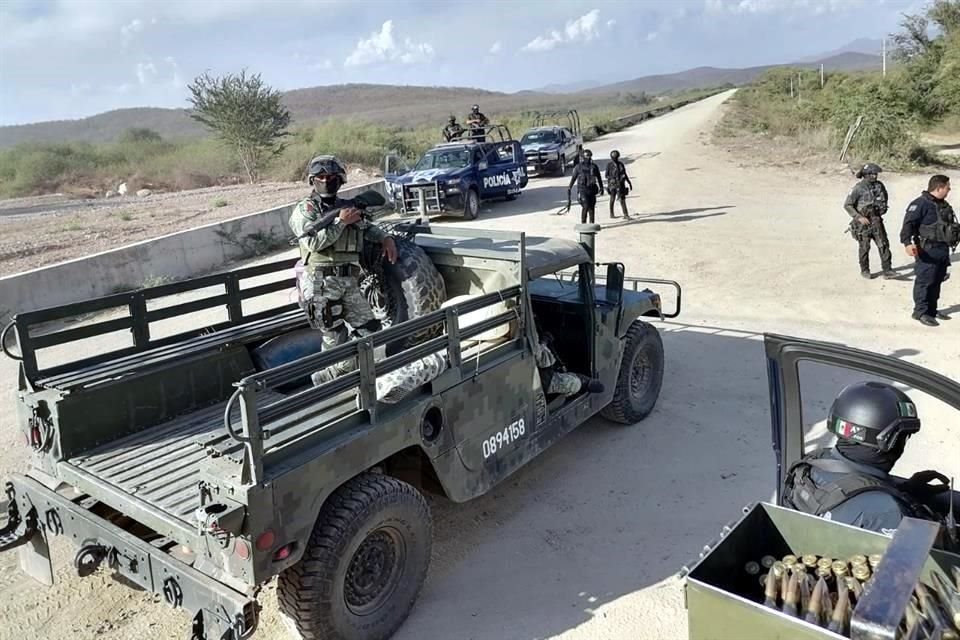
[[201, 464], [725, 589]]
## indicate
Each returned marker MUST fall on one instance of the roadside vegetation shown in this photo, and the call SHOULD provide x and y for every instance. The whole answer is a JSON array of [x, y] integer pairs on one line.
[[920, 93], [142, 158]]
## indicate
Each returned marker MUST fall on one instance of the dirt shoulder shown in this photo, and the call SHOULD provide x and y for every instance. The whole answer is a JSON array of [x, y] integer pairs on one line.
[[44, 230]]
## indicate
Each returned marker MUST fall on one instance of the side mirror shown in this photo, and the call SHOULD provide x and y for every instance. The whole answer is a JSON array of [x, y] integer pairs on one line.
[[482, 165], [614, 283]]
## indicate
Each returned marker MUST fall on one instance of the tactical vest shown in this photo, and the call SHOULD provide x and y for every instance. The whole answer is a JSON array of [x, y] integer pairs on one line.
[[872, 199], [347, 247], [946, 229], [801, 493], [587, 180]]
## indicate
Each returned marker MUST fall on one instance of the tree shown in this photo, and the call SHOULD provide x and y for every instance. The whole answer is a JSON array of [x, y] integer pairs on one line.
[[245, 113], [140, 134]]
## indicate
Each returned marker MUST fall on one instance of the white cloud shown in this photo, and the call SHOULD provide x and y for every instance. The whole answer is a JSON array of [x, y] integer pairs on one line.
[[382, 47], [817, 7], [610, 23], [583, 29], [652, 36], [175, 79], [134, 27], [321, 65], [496, 48], [146, 72]]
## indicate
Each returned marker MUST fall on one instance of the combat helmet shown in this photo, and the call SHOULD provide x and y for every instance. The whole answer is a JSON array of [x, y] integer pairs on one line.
[[873, 414], [326, 166], [870, 168]]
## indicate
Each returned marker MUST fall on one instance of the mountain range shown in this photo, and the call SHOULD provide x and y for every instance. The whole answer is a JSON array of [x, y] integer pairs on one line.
[[404, 104]]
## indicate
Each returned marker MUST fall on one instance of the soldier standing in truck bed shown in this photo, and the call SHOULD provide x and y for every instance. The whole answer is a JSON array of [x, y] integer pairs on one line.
[[329, 289], [866, 205]]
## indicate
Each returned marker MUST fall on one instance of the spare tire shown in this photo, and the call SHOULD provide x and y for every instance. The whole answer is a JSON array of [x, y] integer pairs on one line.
[[409, 288]]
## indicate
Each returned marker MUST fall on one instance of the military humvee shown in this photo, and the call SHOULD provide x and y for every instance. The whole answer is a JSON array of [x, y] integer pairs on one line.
[[199, 465]]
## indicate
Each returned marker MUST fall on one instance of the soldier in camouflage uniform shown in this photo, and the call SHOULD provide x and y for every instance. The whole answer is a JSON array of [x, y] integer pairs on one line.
[[329, 289], [617, 181], [477, 121], [556, 381], [866, 205], [453, 130]]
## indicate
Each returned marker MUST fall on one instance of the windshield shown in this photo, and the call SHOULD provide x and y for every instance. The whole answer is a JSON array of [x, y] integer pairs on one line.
[[540, 137], [444, 159]]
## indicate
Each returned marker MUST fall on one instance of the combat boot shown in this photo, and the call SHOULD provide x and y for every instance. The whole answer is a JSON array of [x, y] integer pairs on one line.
[[866, 274], [889, 274], [590, 385]]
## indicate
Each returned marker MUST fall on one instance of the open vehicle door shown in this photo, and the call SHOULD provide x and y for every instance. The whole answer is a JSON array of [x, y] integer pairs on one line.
[[784, 355], [394, 165]]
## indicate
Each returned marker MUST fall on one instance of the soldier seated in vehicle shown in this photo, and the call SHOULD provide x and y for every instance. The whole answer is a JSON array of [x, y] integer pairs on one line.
[[851, 482], [554, 377]]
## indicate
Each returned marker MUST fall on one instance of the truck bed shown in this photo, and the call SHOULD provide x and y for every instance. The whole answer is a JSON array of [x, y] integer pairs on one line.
[[161, 465]]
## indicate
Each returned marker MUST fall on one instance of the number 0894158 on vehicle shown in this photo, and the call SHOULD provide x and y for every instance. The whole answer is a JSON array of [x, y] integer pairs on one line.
[[504, 438]]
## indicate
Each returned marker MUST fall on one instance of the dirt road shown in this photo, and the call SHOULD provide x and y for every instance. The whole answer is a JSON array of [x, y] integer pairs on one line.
[[585, 542]]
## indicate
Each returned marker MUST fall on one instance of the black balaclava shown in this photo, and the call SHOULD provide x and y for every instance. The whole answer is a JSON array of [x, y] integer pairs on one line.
[[870, 456]]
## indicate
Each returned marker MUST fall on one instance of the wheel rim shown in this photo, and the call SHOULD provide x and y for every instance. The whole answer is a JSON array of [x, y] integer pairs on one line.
[[641, 375], [473, 204], [374, 571], [378, 301]]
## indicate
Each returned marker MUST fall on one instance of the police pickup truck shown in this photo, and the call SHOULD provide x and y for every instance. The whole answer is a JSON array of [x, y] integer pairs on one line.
[[551, 148], [453, 178]]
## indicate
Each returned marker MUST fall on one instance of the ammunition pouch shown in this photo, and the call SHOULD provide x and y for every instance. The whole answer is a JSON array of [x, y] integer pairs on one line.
[[941, 231]]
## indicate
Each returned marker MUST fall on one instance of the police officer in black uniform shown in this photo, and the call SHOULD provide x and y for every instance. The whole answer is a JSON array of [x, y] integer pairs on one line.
[[617, 183], [586, 175], [866, 205], [851, 483], [930, 230]]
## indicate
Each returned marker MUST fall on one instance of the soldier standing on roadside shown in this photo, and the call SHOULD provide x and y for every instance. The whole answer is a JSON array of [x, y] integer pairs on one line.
[[617, 181], [930, 230], [586, 175], [866, 205], [329, 289]]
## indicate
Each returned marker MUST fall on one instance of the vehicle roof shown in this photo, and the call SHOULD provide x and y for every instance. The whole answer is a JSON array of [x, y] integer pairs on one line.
[[547, 127], [543, 255]]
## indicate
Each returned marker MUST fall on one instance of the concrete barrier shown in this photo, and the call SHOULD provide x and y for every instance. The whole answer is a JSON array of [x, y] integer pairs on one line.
[[175, 256]]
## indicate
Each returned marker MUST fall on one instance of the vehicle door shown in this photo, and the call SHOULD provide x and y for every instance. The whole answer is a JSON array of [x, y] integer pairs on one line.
[[784, 355], [393, 167], [494, 172]]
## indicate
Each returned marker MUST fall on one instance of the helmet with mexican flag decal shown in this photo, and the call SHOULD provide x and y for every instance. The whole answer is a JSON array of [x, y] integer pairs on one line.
[[873, 414]]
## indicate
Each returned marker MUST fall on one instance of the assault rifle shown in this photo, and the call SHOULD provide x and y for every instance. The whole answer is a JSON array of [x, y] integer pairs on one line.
[[369, 198]]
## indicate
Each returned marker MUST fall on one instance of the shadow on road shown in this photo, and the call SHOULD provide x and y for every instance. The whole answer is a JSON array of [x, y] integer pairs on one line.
[[680, 215], [609, 510]]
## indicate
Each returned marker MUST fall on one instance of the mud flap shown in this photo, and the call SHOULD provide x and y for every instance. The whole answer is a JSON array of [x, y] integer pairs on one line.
[[34, 557]]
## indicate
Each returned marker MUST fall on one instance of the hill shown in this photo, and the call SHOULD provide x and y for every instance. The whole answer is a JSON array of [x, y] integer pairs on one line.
[[383, 104], [714, 76]]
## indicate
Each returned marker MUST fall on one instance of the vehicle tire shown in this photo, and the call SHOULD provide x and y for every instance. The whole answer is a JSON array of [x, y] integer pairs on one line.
[[510, 197], [364, 565], [471, 207], [640, 377], [562, 169], [410, 288]]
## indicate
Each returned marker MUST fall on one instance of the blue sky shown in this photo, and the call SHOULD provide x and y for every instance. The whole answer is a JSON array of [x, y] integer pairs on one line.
[[66, 59]]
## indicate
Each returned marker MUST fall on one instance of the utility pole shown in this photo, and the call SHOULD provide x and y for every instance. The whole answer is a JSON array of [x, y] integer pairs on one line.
[[821, 75], [884, 57]]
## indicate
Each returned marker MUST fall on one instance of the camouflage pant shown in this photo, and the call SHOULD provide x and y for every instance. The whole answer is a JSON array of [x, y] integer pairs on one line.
[[394, 386], [878, 233], [559, 381], [331, 301]]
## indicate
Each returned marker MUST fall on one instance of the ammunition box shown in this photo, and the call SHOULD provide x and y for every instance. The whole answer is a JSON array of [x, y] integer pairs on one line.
[[723, 602]]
